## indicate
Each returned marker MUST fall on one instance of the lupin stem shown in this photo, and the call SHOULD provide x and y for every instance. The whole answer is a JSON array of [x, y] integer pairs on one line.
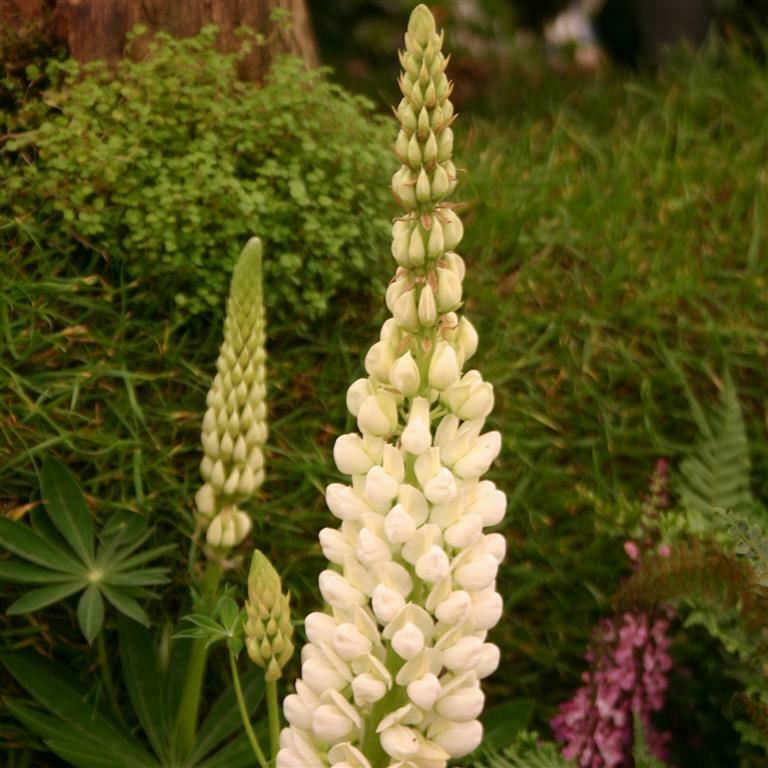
[[107, 675], [186, 724], [273, 712], [244, 714]]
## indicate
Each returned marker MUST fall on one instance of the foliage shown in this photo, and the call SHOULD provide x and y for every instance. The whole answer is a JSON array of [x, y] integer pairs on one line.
[[72, 727], [226, 623], [25, 49], [62, 557], [716, 474], [726, 583], [526, 751], [604, 287], [163, 167]]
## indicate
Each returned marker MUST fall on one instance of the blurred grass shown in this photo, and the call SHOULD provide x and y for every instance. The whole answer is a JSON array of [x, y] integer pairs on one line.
[[617, 245]]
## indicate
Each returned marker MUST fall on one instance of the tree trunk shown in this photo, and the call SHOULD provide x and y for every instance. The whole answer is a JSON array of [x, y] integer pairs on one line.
[[96, 29]]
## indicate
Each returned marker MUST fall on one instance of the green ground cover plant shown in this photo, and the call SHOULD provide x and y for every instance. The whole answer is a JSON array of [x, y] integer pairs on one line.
[[616, 239], [157, 168]]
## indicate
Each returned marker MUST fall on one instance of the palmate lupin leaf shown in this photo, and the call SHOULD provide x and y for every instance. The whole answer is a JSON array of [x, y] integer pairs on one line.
[[72, 727], [59, 554]]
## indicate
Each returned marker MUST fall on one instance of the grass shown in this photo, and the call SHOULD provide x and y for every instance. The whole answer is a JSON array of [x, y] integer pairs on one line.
[[617, 246]]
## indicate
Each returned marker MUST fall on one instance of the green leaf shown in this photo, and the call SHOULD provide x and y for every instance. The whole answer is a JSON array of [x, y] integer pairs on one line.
[[205, 623], [125, 604], [223, 719], [236, 754], [124, 526], [145, 682], [52, 686], [24, 542], [90, 612], [640, 749], [716, 473], [141, 578], [503, 722], [228, 611], [66, 507], [39, 598], [126, 564], [71, 746], [23, 573]]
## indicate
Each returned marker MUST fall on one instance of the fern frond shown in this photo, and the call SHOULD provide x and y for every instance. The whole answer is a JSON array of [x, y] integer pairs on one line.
[[527, 751], [702, 574], [716, 474]]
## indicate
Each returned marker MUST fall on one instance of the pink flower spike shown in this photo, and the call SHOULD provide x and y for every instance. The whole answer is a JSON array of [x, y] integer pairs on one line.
[[664, 550]]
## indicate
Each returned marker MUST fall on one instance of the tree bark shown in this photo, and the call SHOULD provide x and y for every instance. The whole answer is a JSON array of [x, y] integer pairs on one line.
[[97, 29]]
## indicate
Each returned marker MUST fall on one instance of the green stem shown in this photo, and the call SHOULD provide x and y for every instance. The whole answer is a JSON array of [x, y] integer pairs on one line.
[[273, 712], [106, 675], [394, 699], [244, 713], [186, 723]]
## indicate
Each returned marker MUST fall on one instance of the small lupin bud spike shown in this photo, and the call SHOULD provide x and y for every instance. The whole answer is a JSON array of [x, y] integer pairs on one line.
[[268, 630], [235, 424]]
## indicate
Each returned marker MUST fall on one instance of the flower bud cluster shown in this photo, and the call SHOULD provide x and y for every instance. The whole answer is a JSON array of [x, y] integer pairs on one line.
[[391, 672], [235, 423], [268, 629]]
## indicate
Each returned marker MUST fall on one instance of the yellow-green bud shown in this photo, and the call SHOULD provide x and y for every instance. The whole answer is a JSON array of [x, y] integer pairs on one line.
[[268, 629], [234, 427]]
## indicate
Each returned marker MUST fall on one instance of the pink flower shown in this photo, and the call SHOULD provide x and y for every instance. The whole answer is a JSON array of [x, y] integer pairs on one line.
[[629, 662], [632, 550]]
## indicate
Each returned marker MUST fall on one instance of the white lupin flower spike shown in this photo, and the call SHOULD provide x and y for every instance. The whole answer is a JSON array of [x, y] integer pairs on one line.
[[235, 423], [391, 673]]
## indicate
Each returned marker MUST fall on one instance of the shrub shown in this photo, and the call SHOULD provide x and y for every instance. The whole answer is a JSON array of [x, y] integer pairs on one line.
[[164, 165]]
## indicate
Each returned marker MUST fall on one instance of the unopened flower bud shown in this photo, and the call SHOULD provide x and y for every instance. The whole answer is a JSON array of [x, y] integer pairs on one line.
[[404, 375], [460, 738], [414, 152], [408, 641], [477, 461], [368, 689], [356, 394], [405, 312], [461, 705], [268, 629], [448, 290], [424, 691], [436, 243], [379, 360], [453, 230], [399, 742], [350, 643], [440, 183], [427, 307], [378, 414], [423, 190], [416, 252], [416, 437], [444, 366]]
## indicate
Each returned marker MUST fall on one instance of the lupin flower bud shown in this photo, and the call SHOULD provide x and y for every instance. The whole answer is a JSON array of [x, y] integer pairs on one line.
[[392, 668], [235, 427], [268, 629]]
